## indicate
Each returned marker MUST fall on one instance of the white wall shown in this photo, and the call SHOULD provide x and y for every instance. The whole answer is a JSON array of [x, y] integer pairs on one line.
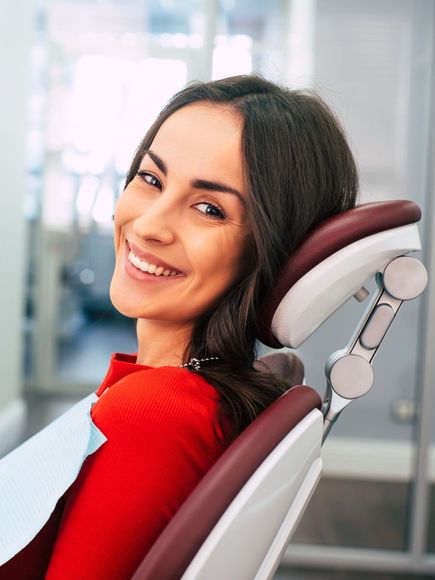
[[16, 37]]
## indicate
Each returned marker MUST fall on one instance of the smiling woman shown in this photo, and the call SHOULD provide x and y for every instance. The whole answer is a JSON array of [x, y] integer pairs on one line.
[[283, 156], [180, 215], [223, 187]]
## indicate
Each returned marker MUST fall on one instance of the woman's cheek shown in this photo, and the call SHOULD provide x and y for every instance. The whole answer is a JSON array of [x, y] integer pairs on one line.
[[124, 213]]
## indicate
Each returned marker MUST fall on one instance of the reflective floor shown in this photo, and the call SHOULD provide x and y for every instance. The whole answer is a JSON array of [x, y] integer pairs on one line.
[[361, 514]]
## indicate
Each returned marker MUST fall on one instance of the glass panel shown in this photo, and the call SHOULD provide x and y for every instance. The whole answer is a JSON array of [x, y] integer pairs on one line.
[[364, 496], [431, 476], [102, 72], [431, 511], [250, 37]]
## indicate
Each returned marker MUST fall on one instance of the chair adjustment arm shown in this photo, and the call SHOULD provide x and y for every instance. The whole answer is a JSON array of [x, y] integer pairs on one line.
[[349, 371]]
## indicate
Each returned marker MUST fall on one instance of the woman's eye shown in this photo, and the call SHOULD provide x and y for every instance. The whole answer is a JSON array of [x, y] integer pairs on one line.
[[150, 179], [211, 210]]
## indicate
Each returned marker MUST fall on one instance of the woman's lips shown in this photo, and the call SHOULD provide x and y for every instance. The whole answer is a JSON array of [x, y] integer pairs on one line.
[[151, 258], [137, 274]]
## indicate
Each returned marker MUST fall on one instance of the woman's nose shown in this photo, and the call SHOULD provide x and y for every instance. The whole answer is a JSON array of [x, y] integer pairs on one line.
[[159, 221]]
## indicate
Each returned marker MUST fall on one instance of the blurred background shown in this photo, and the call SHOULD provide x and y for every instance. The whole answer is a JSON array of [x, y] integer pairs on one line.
[[81, 81]]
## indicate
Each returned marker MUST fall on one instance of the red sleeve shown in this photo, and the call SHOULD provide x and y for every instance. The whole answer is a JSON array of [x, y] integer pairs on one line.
[[159, 426]]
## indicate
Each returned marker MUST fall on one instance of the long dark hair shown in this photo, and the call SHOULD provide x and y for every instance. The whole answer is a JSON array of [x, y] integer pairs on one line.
[[299, 171]]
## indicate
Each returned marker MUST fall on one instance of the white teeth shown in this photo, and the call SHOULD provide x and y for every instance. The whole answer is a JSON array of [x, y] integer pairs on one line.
[[134, 260], [150, 268]]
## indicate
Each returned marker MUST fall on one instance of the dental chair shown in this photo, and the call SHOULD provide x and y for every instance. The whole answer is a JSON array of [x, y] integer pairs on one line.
[[238, 521]]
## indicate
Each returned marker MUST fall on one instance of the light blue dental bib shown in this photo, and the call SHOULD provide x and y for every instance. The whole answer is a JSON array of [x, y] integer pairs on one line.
[[35, 475]]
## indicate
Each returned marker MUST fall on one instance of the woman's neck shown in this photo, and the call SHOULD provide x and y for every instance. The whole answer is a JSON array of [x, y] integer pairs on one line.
[[161, 343]]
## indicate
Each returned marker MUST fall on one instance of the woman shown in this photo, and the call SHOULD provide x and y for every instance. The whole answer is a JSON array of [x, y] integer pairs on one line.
[[224, 186]]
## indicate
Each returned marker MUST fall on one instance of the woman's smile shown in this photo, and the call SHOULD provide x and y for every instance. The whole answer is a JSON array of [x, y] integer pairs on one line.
[[148, 268]]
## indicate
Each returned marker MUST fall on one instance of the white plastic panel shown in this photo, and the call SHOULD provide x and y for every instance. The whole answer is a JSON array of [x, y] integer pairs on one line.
[[289, 525], [318, 294], [240, 541]]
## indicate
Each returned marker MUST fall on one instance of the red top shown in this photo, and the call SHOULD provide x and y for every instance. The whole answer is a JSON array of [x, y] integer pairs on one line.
[[160, 442]]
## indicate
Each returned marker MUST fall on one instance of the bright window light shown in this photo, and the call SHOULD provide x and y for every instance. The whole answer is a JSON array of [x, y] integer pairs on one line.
[[232, 56], [153, 83], [103, 206], [86, 196]]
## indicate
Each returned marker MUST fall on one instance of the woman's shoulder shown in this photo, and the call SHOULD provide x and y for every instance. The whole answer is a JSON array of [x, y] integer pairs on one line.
[[186, 379], [163, 383], [171, 398]]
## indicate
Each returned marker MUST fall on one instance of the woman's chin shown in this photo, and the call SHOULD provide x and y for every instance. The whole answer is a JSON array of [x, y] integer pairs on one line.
[[121, 303], [128, 312], [130, 305]]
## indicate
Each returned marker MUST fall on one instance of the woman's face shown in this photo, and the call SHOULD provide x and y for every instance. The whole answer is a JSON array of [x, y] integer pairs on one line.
[[180, 225]]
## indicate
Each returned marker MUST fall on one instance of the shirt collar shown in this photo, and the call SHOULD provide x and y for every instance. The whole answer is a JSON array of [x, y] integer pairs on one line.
[[120, 366]]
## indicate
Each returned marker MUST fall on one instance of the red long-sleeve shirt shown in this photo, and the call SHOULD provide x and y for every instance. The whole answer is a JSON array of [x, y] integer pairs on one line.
[[160, 442]]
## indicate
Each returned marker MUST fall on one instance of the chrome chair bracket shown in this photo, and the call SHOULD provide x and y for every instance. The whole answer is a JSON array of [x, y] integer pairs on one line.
[[349, 372]]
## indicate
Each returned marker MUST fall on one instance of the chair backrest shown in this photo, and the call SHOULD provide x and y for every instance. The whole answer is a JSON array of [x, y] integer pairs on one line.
[[181, 540], [238, 520]]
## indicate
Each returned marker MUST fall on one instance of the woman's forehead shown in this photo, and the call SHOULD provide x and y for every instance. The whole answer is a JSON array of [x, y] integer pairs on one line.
[[202, 136]]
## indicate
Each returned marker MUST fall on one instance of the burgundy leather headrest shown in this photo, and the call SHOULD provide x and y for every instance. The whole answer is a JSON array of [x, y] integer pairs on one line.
[[326, 238]]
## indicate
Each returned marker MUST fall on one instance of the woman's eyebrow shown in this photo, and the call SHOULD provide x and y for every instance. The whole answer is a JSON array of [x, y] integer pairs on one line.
[[216, 186], [159, 162], [197, 183]]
